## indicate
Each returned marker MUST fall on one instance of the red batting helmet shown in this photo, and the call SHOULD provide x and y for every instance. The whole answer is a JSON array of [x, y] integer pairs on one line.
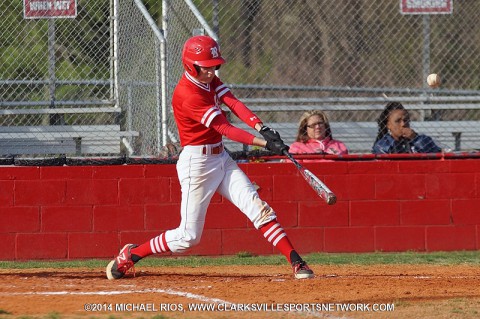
[[201, 50]]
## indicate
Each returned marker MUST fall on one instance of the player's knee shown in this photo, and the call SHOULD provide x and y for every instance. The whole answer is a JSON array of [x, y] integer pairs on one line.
[[266, 215], [188, 243], [190, 239], [180, 239]]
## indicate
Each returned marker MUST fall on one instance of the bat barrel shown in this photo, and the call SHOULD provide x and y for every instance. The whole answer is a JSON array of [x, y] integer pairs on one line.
[[320, 188], [331, 199]]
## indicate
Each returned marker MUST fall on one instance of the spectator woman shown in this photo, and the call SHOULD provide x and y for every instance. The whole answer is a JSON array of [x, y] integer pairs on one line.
[[315, 136], [395, 135]]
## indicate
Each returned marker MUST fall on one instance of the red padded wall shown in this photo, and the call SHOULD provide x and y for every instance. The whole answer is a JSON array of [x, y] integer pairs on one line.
[[92, 211]]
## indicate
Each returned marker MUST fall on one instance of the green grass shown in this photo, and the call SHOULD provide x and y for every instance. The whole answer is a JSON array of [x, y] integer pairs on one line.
[[245, 258]]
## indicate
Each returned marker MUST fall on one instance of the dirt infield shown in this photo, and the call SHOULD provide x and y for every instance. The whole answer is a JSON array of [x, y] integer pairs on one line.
[[399, 291]]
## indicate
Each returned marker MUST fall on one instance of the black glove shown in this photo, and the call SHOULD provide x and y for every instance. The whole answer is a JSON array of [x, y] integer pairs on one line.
[[269, 134], [277, 146]]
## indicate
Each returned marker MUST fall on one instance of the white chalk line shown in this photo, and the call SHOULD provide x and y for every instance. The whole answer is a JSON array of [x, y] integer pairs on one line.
[[187, 295], [119, 292]]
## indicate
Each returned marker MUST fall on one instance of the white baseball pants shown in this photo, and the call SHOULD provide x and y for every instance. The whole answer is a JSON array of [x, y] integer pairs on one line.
[[200, 177]]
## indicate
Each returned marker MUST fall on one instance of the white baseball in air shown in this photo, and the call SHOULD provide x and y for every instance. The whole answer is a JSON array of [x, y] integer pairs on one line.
[[434, 80]]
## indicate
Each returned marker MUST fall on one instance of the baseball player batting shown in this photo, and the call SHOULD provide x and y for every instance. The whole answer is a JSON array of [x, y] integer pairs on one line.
[[204, 167]]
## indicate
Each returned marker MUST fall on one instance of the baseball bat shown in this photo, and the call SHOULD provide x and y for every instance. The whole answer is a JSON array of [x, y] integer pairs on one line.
[[318, 186]]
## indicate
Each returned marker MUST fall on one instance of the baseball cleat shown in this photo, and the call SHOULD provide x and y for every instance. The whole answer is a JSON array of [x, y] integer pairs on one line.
[[118, 267], [301, 270]]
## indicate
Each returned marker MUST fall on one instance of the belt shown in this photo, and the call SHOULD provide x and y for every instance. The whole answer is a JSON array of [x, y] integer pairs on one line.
[[213, 150]]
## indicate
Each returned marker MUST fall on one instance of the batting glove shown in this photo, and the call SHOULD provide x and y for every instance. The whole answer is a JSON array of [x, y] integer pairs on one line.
[[270, 135], [278, 147]]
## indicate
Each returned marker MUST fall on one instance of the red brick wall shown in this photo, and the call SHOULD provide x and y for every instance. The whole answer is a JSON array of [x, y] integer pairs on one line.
[[91, 211]]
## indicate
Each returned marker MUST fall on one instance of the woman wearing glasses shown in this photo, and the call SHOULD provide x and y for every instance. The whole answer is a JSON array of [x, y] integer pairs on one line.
[[315, 136]]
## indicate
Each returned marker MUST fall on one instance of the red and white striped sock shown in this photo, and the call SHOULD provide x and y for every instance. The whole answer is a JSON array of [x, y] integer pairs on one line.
[[275, 234], [155, 245]]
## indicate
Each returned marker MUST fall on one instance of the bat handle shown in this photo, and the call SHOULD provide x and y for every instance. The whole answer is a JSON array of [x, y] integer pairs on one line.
[[290, 157], [287, 154]]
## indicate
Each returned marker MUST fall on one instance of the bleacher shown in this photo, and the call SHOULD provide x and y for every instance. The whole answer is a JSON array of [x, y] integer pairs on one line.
[[359, 135], [61, 138]]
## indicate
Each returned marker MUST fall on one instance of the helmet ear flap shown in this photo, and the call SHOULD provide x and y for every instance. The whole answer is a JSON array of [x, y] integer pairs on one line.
[[197, 69], [192, 69]]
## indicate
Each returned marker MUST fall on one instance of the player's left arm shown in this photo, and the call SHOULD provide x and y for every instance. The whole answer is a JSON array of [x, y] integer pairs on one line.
[[247, 116], [241, 111], [272, 140], [222, 126]]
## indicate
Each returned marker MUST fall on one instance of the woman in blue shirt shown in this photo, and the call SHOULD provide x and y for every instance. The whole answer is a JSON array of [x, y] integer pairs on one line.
[[395, 135]]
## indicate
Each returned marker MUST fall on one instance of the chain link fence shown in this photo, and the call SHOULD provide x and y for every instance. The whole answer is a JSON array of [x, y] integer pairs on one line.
[[56, 79], [113, 67], [347, 58]]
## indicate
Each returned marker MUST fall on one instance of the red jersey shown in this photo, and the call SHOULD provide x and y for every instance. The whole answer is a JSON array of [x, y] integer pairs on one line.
[[196, 105]]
